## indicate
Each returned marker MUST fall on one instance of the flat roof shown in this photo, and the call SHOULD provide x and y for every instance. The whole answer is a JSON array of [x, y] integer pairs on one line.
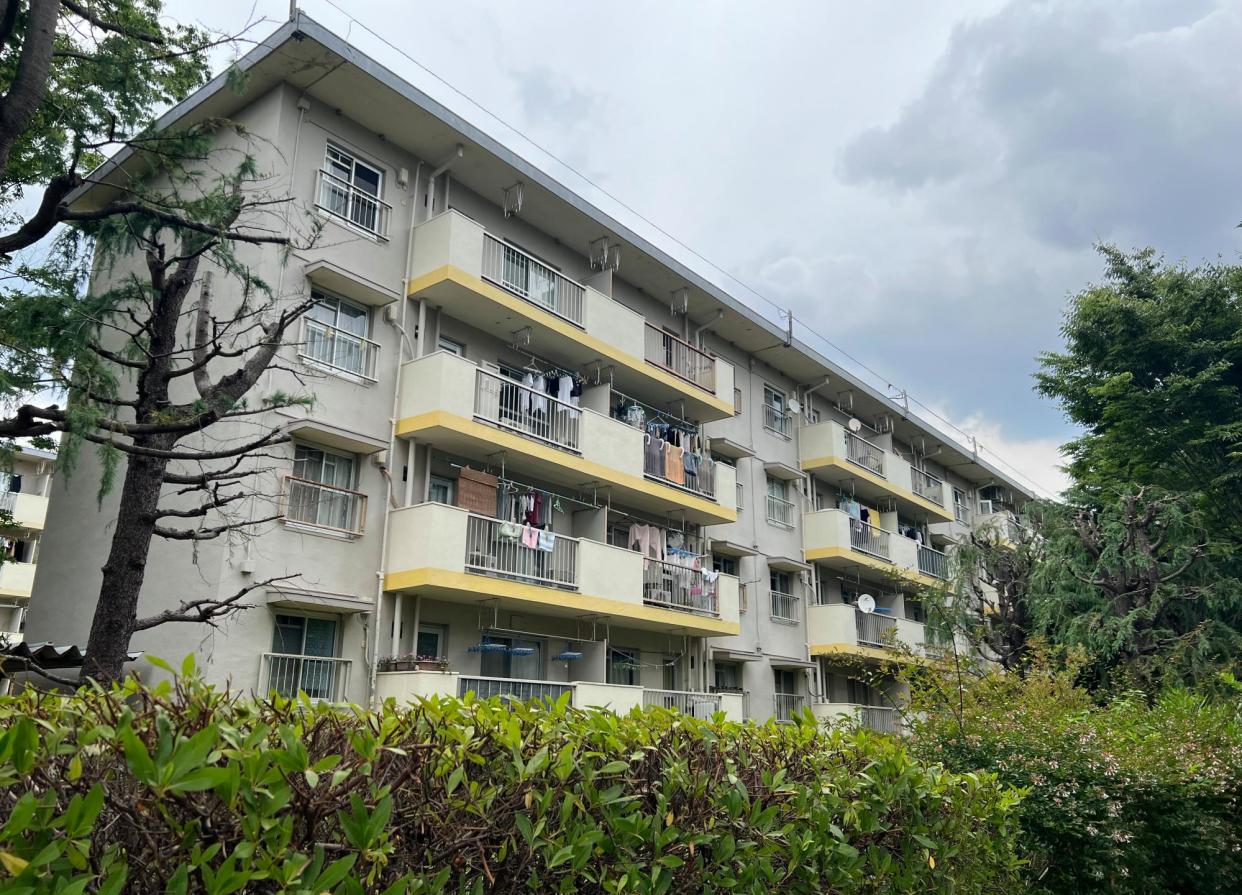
[[317, 61]]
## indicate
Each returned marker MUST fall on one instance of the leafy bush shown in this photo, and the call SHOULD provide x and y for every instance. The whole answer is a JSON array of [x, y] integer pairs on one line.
[[186, 789], [1128, 797]]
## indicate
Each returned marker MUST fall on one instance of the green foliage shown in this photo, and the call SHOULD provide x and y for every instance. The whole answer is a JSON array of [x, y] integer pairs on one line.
[[190, 790], [1129, 797], [1152, 370]]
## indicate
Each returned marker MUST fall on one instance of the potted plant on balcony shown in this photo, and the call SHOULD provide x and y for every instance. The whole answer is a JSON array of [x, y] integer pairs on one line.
[[432, 663]]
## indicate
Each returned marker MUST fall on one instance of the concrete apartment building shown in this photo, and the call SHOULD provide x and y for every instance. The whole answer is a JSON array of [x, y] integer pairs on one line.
[[24, 490], [544, 456]]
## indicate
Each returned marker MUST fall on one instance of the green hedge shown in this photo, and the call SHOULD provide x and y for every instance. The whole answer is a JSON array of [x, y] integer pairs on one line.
[[1128, 798], [188, 789]]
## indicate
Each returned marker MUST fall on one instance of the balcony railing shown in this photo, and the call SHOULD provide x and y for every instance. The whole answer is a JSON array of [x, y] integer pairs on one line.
[[529, 278], [677, 587], [307, 502], [8, 501], [319, 677], [784, 606], [860, 451], [927, 486], [933, 562], [512, 688], [338, 349], [680, 358], [780, 511], [866, 538], [702, 481], [698, 705], [872, 629], [535, 414], [786, 705], [776, 420], [961, 512], [882, 719], [500, 549], [342, 199]]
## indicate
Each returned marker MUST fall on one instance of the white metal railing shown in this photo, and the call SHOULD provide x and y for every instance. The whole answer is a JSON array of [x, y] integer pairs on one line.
[[961, 512], [677, 587], [780, 511], [529, 278], [512, 688], [319, 677], [698, 705], [776, 420], [784, 606], [309, 502], [536, 414], [786, 705], [501, 549], [860, 451], [8, 501], [867, 538], [927, 486], [882, 719], [324, 344], [873, 629], [344, 200], [681, 358], [933, 562]]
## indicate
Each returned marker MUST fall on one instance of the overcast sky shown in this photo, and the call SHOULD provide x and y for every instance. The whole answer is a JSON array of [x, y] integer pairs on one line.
[[922, 182]]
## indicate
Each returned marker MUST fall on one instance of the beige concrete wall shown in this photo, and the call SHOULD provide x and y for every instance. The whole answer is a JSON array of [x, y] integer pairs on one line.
[[826, 439], [17, 578], [427, 536], [610, 442], [408, 686], [619, 698], [614, 322], [448, 238], [911, 633], [826, 528], [733, 705], [439, 381], [30, 510], [605, 571], [831, 624]]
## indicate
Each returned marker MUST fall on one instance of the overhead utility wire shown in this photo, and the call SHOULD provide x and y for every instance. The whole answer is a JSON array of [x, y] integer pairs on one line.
[[784, 312]]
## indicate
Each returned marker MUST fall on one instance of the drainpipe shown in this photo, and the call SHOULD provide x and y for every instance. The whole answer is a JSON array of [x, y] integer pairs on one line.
[[431, 179], [694, 338], [810, 390], [392, 438]]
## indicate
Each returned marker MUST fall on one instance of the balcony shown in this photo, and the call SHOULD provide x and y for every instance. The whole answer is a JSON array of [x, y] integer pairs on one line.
[[881, 719], [780, 511], [872, 473], [835, 628], [457, 556], [405, 686], [28, 510], [466, 410], [500, 288], [320, 677], [841, 542], [777, 421], [316, 505], [1001, 525], [680, 358], [17, 579]]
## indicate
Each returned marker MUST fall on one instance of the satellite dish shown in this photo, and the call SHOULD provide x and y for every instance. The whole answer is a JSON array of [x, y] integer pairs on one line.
[[866, 603], [854, 425], [795, 406]]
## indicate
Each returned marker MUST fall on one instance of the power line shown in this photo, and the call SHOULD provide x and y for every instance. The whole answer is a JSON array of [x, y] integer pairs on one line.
[[354, 20]]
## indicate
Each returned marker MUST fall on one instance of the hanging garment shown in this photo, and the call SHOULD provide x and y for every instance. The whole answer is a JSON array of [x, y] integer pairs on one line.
[[564, 385], [510, 531], [710, 576], [530, 536], [524, 400], [676, 470], [534, 508], [852, 509], [640, 538], [653, 458], [547, 540], [864, 514], [575, 393]]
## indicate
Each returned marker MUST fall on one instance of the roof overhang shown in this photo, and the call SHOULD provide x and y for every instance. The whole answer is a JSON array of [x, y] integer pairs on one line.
[[316, 601], [727, 447], [788, 564], [348, 284], [731, 548], [778, 470]]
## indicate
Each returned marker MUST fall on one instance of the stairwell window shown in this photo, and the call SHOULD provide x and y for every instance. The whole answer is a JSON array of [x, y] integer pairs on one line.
[[334, 336], [775, 416], [351, 190], [321, 492]]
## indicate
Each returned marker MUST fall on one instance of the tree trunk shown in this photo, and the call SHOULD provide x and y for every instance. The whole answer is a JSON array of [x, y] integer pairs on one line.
[[123, 573]]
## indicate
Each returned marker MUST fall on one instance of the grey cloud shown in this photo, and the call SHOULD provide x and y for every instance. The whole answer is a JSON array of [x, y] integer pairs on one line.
[[1079, 122]]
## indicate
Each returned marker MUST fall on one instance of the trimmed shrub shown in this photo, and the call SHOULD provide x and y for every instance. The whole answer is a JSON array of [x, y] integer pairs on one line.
[[183, 788], [1128, 797]]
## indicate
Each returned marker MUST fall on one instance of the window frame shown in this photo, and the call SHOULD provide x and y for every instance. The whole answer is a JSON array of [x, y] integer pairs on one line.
[[355, 160], [324, 298]]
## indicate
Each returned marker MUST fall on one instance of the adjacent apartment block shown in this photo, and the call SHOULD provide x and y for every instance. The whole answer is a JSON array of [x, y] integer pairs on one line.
[[24, 489], [544, 457]]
